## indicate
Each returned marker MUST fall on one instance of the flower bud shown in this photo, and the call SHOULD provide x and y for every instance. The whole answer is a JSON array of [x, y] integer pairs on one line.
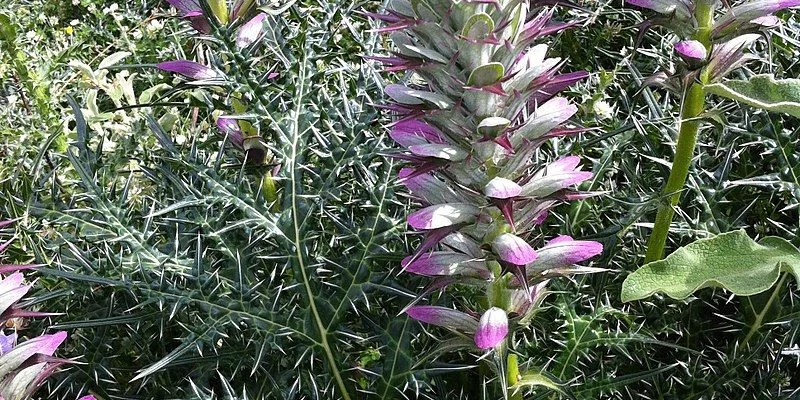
[[492, 328], [692, 52]]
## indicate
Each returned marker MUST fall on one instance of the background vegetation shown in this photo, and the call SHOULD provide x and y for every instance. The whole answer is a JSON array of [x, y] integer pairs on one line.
[[179, 279]]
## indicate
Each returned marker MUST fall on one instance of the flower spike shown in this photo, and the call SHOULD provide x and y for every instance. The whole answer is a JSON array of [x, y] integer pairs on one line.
[[482, 100]]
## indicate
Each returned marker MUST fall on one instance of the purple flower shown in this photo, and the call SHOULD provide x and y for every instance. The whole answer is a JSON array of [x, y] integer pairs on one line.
[[28, 364], [445, 263], [189, 69], [470, 130], [562, 252], [230, 128], [558, 175], [11, 291], [513, 250], [191, 10], [728, 56], [442, 215], [502, 188], [7, 342], [492, 328], [748, 12], [249, 32], [692, 51], [444, 317]]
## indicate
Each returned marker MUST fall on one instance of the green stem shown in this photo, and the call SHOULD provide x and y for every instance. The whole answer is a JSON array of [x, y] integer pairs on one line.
[[512, 377], [759, 321], [693, 105]]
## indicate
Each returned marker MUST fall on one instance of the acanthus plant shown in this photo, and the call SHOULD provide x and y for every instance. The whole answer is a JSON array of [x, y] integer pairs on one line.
[[482, 102], [24, 365], [238, 31], [710, 50]]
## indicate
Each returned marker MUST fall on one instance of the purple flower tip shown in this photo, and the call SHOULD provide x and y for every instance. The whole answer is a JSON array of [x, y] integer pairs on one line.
[[444, 317], [492, 328], [512, 249], [249, 32], [442, 215], [89, 397], [187, 8], [189, 69], [7, 342], [502, 188], [691, 50]]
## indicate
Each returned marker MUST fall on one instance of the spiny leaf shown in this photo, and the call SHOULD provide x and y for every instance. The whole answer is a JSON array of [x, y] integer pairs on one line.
[[731, 260]]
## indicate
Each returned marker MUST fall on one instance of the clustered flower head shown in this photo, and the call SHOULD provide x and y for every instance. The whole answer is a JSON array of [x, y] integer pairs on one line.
[[710, 48], [23, 366], [239, 133], [482, 101]]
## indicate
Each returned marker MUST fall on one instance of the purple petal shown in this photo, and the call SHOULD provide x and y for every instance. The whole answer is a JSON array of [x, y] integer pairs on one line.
[[563, 251], [187, 8], [7, 342], [746, 12], [442, 215], [492, 328], [230, 128], [89, 397], [730, 55], [547, 116], [11, 291], [502, 188], [513, 249], [45, 345], [445, 263], [427, 187], [679, 8], [200, 24], [557, 175], [441, 151], [413, 131], [691, 50], [189, 69], [444, 317], [522, 300], [248, 33]]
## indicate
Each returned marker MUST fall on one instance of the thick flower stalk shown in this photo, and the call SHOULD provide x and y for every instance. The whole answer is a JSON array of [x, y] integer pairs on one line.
[[24, 366], [482, 101], [710, 49]]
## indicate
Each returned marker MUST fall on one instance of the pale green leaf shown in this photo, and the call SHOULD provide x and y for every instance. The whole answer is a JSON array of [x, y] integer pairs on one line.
[[531, 379], [762, 91], [113, 59], [731, 260]]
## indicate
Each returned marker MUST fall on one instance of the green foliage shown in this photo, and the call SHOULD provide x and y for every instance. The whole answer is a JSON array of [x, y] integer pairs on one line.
[[186, 281], [167, 265], [762, 91], [730, 260]]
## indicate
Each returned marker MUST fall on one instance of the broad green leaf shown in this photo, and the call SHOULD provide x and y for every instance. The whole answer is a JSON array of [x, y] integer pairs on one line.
[[762, 91], [731, 260]]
